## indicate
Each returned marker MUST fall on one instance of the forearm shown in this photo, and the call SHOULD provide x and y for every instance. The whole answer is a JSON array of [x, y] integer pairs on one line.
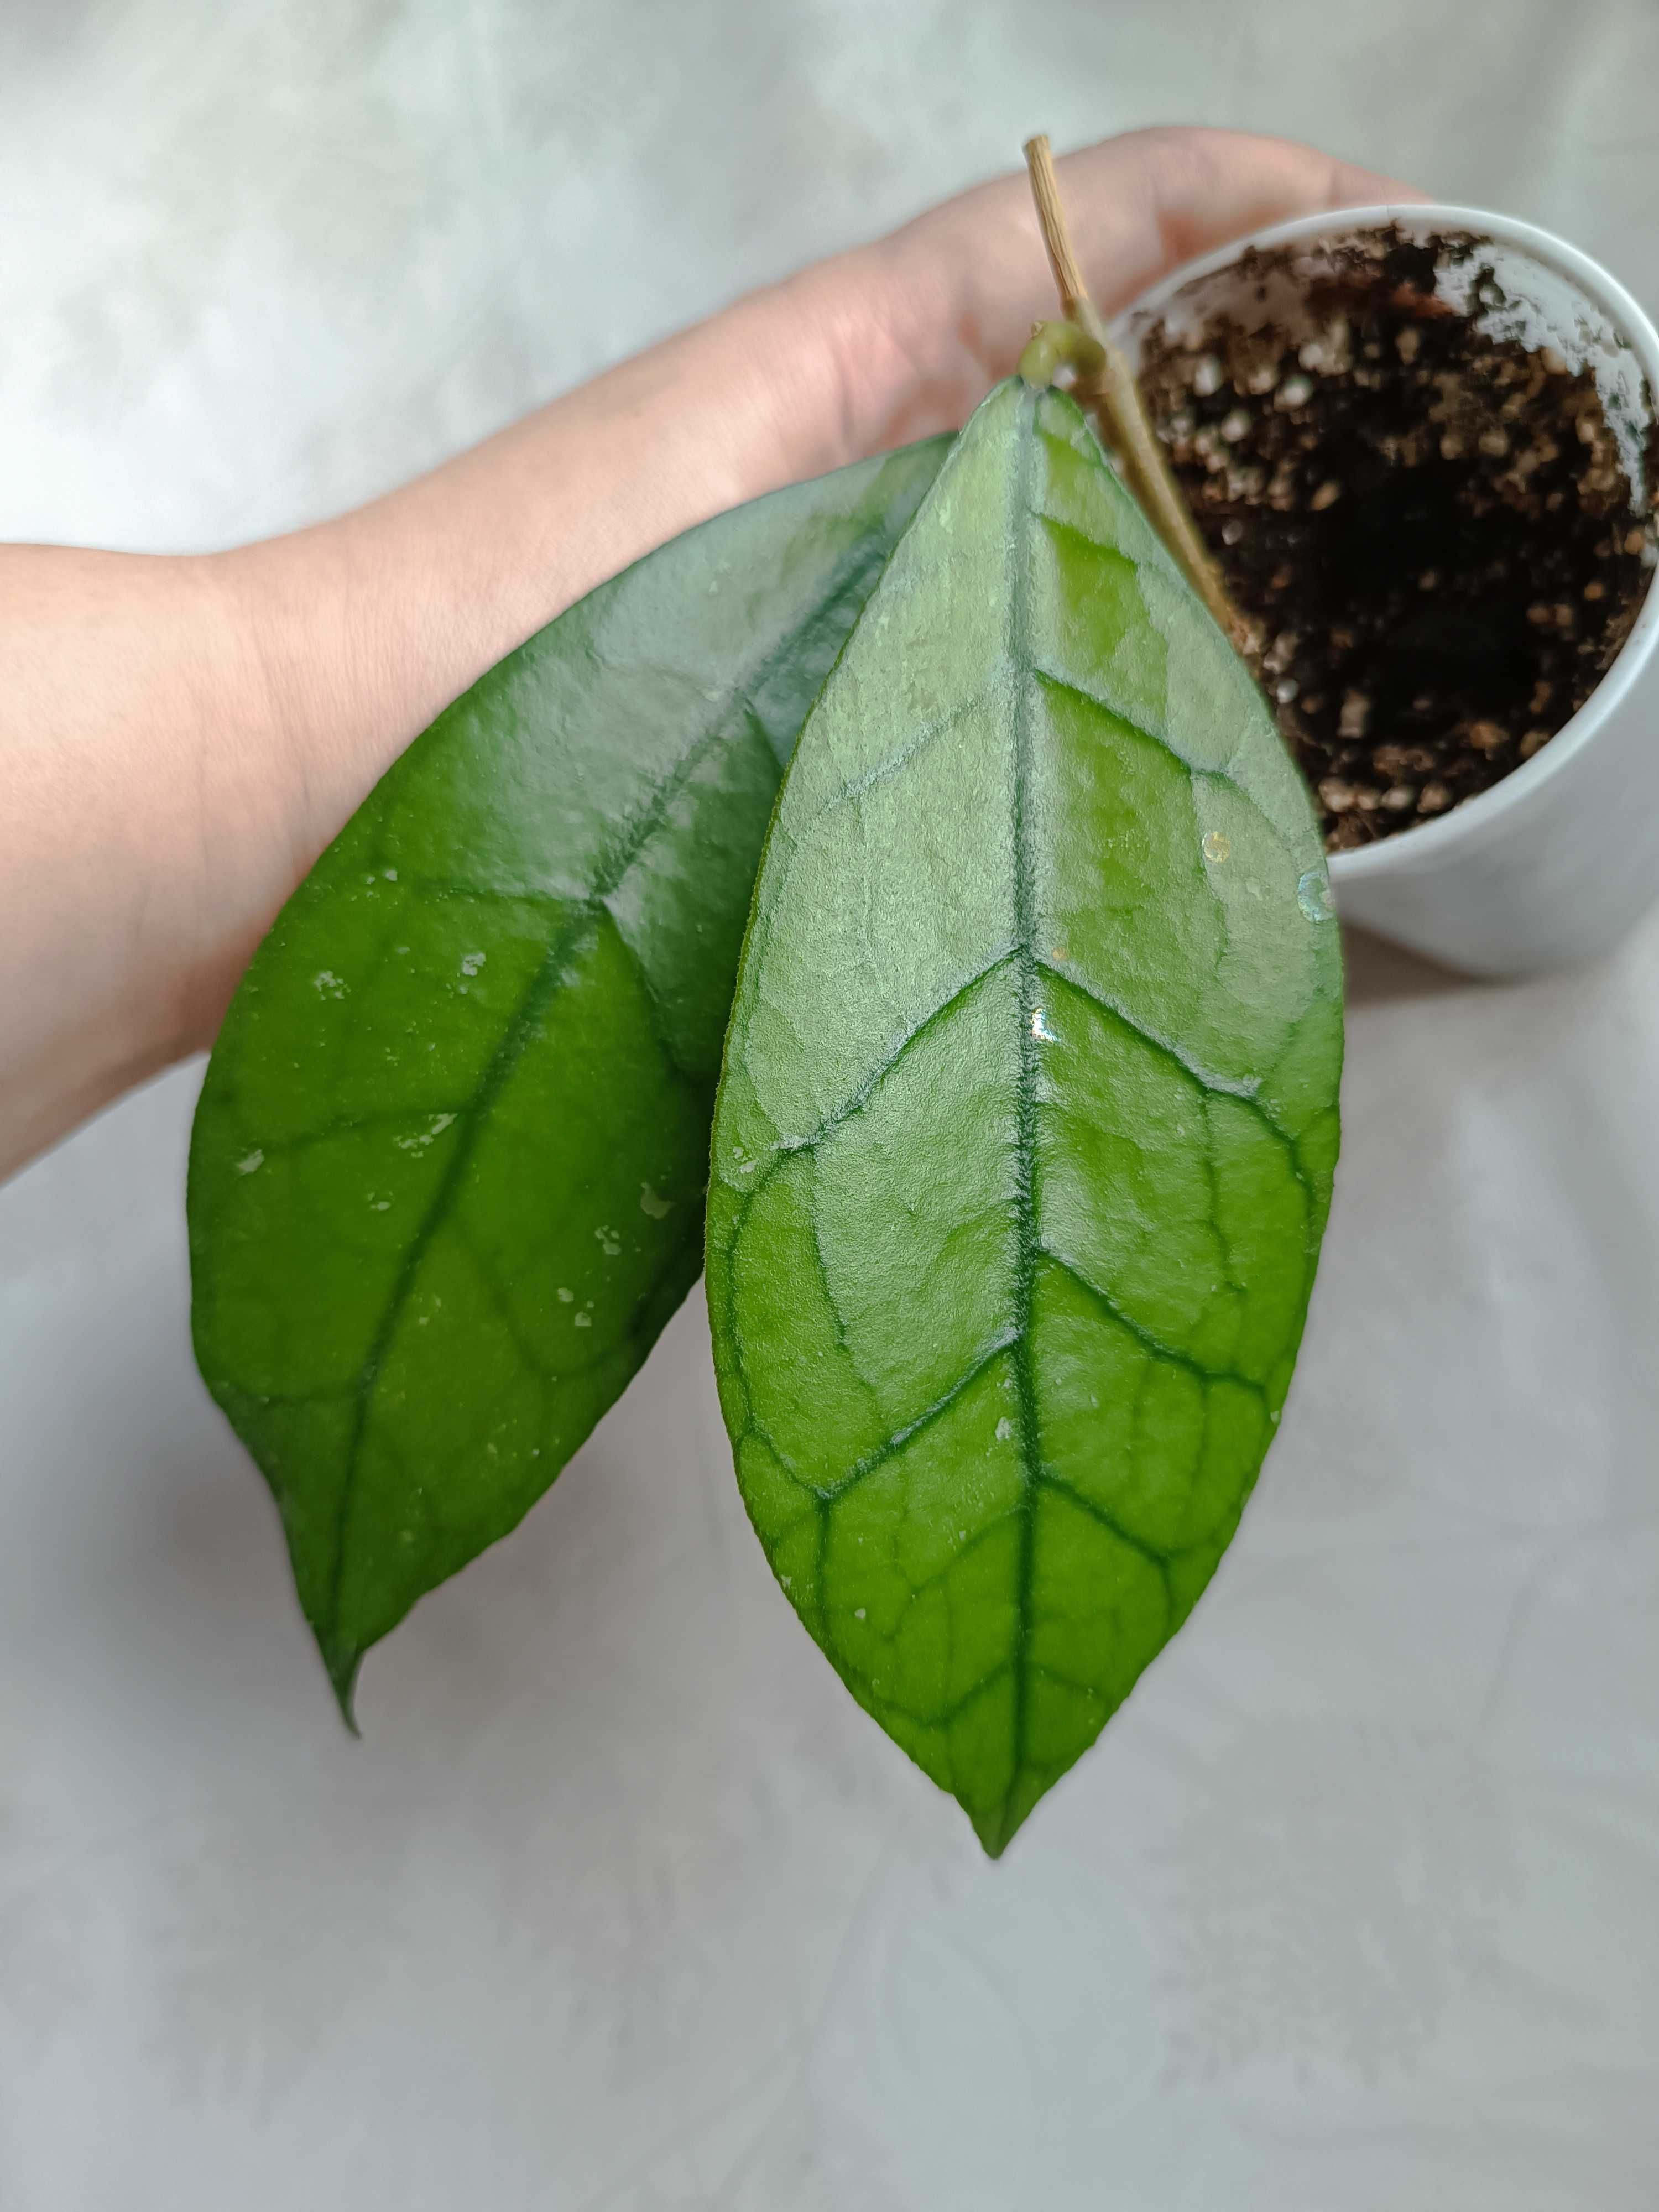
[[179, 738], [131, 744]]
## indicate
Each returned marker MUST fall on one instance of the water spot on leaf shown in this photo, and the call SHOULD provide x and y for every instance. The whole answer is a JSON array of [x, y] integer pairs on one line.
[[419, 1142], [1217, 847], [1313, 894]]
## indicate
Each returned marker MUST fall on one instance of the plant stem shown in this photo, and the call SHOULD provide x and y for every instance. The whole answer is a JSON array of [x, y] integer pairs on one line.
[[1113, 396]]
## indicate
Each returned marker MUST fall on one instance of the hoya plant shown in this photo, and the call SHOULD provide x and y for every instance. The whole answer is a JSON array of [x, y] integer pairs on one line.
[[896, 892]]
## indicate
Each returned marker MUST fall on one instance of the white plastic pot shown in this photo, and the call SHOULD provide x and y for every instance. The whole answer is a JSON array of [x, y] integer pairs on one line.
[[1556, 861]]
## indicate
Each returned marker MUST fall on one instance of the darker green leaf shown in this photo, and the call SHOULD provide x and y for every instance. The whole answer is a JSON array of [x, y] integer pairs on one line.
[[1025, 1141], [447, 1179]]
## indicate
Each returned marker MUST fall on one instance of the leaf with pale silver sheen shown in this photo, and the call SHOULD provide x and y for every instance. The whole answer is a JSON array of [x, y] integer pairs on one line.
[[1025, 1136]]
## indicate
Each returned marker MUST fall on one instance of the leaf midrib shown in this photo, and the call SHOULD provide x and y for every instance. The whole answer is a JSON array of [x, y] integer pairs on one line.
[[1026, 1241]]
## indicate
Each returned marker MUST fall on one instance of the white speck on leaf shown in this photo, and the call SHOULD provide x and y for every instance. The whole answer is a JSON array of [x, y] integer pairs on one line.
[[1040, 1027], [658, 1208], [583, 1320], [419, 1142], [567, 1298], [1005, 1430], [1313, 894], [328, 983], [252, 1160], [471, 963]]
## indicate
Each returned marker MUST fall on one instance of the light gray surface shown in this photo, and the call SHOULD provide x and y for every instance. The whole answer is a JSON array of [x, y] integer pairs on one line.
[[621, 1907]]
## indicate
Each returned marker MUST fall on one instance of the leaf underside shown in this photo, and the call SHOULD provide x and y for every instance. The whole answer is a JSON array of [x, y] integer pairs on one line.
[[448, 1170], [1025, 1141]]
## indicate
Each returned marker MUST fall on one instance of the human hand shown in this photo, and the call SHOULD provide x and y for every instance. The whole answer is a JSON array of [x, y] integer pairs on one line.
[[179, 738], [922, 323]]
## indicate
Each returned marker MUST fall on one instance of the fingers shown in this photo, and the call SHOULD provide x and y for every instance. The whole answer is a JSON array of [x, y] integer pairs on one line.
[[1143, 203], [922, 323]]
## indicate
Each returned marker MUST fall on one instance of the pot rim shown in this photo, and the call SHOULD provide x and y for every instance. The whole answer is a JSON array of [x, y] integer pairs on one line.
[[1478, 820]]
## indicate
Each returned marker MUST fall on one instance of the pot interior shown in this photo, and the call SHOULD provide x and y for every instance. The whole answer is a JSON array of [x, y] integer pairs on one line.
[[1426, 467]]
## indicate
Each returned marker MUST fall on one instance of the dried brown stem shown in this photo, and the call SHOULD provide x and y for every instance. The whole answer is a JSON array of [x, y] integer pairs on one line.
[[1113, 396]]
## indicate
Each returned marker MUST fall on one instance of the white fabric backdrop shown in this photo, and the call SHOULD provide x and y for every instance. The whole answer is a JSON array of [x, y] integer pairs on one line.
[[621, 1905]]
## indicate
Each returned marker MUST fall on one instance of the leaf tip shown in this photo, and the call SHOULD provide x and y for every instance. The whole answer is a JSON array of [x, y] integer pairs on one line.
[[342, 1674], [997, 1828]]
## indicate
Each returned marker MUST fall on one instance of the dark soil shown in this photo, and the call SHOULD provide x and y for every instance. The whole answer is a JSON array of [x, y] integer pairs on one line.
[[1430, 529]]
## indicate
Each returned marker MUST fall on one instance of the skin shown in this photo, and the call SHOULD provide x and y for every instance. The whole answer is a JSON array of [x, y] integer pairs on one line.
[[181, 736]]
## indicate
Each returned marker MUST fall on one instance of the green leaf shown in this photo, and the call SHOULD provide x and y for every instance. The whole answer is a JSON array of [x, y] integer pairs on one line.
[[1025, 1140], [447, 1172]]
